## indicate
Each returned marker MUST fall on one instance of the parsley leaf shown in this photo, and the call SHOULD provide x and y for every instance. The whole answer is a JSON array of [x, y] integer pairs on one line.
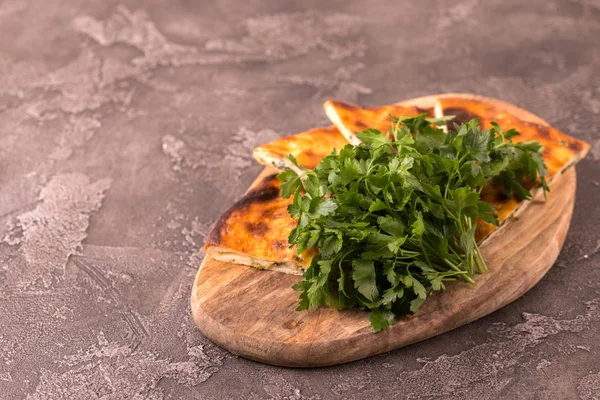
[[290, 181], [381, 318], [363, 274], [394, 218], [373, 137]]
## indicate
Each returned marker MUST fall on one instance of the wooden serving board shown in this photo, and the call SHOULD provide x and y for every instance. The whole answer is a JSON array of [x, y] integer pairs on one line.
[[252, 313]]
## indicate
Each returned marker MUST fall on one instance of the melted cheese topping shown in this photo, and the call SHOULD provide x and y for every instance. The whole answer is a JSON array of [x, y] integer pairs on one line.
[[351, 119], [227, 255], [257, 226], [308, 148]]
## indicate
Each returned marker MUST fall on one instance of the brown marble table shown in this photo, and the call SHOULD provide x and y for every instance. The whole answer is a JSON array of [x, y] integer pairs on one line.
[[127, 127]]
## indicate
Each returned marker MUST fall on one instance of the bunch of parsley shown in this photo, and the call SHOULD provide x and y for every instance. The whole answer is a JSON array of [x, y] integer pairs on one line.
[[394, 218]]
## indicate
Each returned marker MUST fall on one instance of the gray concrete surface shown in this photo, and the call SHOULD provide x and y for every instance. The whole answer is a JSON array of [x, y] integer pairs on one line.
[[127, 127]]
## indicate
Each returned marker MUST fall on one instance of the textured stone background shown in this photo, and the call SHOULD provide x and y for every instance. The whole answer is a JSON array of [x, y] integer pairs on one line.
[[127, 127]]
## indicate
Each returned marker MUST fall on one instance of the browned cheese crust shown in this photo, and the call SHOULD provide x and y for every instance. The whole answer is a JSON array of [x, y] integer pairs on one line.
[[307, 147], [560, 150], [351, 119], [258, 226]]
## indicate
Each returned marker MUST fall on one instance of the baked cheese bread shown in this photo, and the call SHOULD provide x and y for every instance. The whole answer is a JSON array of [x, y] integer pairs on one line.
[[560, 150], [308, 148], [255, 229], [351, 119]]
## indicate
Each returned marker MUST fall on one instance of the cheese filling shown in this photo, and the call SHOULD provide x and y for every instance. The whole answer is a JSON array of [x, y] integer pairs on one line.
[[226, 255]]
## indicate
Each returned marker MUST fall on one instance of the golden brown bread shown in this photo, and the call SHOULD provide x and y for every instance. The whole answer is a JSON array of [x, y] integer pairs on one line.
[[351, 119], [255, 229], [560, 150], [307, 147]]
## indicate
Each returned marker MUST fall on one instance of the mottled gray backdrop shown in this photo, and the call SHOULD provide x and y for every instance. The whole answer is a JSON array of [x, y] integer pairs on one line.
[[127, 127]]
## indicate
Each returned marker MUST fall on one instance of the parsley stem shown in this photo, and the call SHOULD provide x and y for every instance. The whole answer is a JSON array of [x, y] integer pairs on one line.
[[480, 259], [454, 267], [425, 253]]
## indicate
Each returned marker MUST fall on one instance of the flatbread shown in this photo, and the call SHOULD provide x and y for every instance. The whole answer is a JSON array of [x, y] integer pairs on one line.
[[255, 229], [560, 151], [308, 148], [351, 119]]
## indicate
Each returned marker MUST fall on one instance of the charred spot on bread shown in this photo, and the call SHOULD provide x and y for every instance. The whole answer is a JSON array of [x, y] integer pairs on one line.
[[257, 229], [461, 116], [280, 244], [576, 145], [543, 130], [309, 154], [361, 124], [267, 213], [428, 111], [265, 191]]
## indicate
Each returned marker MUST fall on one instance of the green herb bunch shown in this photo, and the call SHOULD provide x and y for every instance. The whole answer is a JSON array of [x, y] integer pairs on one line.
[[394, 218]]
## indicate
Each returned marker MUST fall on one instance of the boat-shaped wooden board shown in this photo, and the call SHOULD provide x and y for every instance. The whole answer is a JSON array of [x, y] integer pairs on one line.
[[252, 313]]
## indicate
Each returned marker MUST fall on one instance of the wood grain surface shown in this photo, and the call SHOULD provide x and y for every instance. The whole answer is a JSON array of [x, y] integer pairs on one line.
[[252, 313]]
